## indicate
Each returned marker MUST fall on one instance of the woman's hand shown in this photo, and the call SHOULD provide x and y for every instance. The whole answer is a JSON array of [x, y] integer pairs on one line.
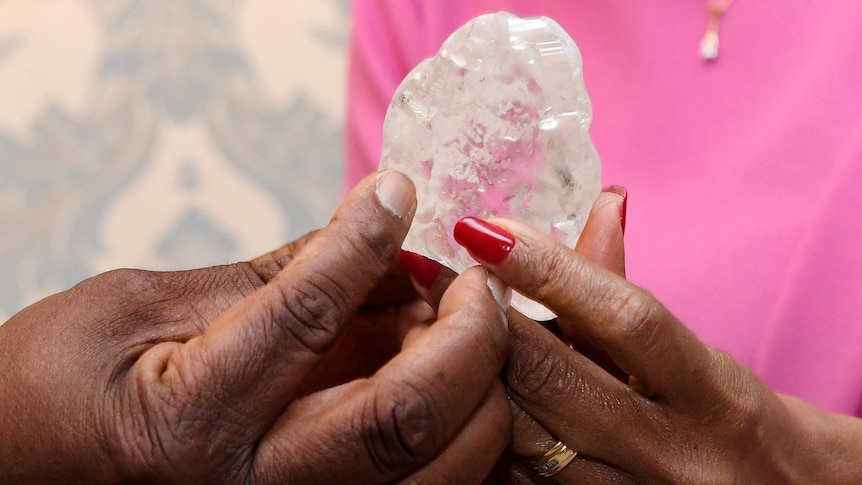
[[270, 371], [657, 405]]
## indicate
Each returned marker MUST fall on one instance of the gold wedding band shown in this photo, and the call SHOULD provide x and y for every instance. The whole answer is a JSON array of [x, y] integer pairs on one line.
[[554, 460]]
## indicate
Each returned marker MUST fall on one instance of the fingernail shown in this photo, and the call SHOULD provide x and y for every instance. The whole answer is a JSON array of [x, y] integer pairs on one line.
[[396, 193], [425, 271], [622, 192], [501, 292], [485, 241]]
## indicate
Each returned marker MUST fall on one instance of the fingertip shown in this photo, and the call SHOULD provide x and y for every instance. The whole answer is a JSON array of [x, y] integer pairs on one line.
[[396, 193], [602, 240], [487, 242], [462, 293], [621, 204]]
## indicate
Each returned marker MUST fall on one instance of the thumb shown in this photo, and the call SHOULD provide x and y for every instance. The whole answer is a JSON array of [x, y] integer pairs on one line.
[[248, 364], [602, 238]]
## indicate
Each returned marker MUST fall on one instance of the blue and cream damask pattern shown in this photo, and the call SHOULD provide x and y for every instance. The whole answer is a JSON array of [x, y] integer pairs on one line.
[[162, 134]]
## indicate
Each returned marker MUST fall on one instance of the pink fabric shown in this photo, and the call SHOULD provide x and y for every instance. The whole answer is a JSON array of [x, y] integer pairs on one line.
[[744, 216]]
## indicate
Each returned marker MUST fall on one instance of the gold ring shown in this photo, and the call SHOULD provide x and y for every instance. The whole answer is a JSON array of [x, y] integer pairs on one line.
[[552, 461]]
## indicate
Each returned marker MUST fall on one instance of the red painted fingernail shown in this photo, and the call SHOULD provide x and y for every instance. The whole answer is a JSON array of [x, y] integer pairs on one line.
[[486, 242], [624, 193], [425, 271]]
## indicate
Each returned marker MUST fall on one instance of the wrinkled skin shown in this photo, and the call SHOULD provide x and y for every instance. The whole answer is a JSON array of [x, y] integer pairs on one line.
[[311, 364], [637, 395]]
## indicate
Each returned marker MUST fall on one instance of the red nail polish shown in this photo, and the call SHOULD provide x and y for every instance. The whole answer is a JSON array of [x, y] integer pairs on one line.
[[425, 271], [486, 242], [624, 193]]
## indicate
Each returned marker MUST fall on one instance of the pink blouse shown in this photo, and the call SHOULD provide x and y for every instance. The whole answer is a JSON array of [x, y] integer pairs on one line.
[[744, 215]]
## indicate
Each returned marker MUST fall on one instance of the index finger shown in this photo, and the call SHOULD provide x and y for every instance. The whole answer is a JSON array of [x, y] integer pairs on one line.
[[601, 241], [642, 337], [247, 365]]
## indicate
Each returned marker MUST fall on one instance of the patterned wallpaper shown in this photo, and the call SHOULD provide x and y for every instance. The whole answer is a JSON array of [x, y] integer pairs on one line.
[[163, 134]]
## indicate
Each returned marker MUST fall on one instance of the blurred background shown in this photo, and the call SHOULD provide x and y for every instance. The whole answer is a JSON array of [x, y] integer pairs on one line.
[[163, 134]]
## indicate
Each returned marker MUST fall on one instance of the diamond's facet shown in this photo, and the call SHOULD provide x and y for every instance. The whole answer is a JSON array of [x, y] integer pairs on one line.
[[497, 124]]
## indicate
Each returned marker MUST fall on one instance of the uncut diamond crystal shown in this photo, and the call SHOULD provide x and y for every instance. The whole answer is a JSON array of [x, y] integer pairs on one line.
[[496, 124]]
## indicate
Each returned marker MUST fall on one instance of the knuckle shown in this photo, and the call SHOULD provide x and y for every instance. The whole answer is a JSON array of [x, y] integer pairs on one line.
[[536, 372], [403, 427], [154, 297], [240, 277], [312, 308], [738, 397], [367, 251], [267, 266], [556, 268], [313, 311], [124, 284], [267, 269], [636, 316], [376, 248], [133, 300], [542, 377], [227, 283]]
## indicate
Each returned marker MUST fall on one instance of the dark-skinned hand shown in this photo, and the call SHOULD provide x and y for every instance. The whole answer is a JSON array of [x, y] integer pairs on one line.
[[311, 364], [625, 384]]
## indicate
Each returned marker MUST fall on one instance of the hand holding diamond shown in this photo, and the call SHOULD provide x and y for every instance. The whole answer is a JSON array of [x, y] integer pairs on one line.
[[665, 407], [311, 364], [496, 124]]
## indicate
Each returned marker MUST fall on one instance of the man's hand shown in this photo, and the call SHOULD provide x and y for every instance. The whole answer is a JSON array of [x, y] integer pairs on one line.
[[270, 371]]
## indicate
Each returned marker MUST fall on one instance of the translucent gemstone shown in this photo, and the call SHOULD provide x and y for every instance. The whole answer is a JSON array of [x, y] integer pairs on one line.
[[496, 124]]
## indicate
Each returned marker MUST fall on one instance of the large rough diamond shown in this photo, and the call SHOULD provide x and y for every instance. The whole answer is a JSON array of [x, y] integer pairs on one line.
[[496, 124]]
